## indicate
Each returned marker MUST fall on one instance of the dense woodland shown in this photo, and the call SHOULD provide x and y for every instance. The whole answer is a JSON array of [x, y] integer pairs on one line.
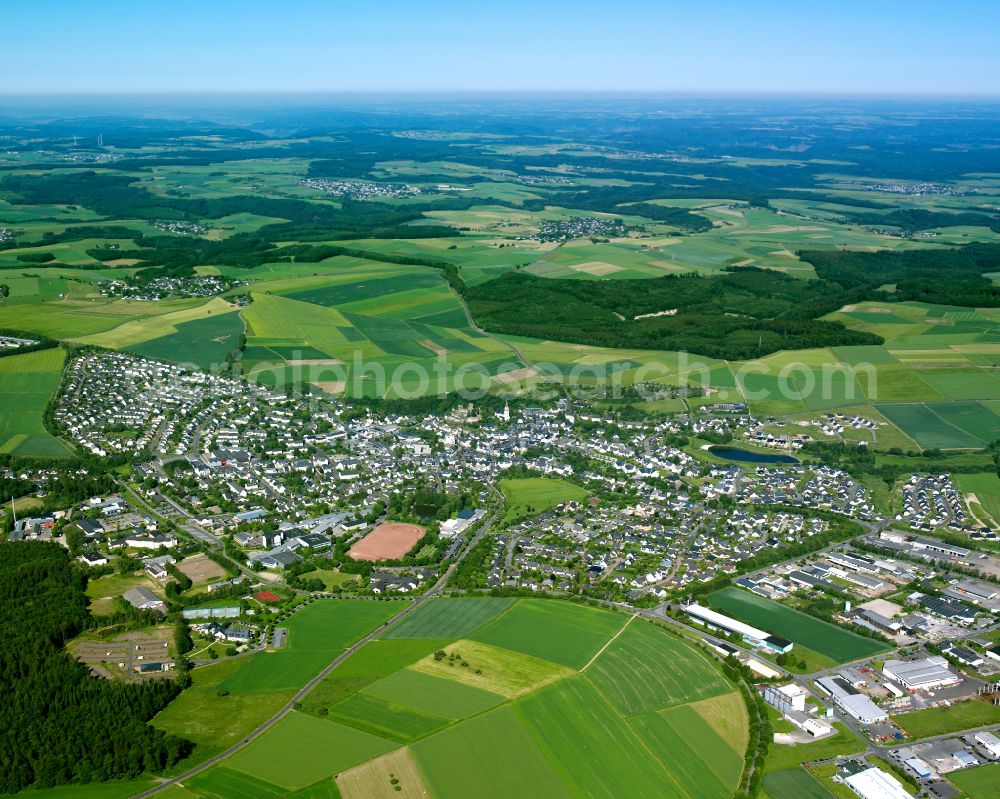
[[58, 724], [742, 313]]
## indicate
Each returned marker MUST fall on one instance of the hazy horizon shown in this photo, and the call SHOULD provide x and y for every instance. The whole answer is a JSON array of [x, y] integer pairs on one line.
[[891, 49]]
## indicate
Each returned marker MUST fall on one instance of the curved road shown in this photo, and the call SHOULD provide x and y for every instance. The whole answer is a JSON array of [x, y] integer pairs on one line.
[[301, 693]]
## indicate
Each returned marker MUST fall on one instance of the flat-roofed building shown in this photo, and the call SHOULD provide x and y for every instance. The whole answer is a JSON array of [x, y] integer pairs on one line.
[[752, 635], [922, 674], [873, 783]]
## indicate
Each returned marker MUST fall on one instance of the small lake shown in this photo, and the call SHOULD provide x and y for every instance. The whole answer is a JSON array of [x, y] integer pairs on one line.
[[746, 456]]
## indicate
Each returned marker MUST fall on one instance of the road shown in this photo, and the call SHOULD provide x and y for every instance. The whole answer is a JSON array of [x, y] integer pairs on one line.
[[433, 591]]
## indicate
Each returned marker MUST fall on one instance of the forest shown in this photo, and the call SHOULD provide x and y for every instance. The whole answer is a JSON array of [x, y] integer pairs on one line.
[[59, 724], [736, 315], [741, 313]]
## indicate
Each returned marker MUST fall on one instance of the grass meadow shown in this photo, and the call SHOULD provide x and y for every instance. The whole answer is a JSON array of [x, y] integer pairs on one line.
[[27, 383]]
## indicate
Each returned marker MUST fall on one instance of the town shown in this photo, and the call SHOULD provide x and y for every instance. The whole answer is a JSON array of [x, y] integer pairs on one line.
[[244, 501]]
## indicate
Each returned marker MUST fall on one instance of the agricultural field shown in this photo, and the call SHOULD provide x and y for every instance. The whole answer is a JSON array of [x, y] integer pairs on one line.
[[229, 698], [823, 638], [561, 632], [528, 496], [647, 669], [453, 717], [449, 618], [27, 383]]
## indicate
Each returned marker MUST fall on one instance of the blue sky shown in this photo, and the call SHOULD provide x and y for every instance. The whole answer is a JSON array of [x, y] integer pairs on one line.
[[877, 46]]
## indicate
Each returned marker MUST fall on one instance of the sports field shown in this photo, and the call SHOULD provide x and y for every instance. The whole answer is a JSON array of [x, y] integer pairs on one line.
[[826, 639], [458, 718], [388, 541], [27, 383]]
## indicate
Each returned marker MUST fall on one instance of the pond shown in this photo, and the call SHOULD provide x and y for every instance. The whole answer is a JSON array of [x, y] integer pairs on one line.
[[746, 456]]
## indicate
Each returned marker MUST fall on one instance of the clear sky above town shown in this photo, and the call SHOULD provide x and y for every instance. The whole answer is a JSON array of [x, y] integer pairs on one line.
[[728, 46]]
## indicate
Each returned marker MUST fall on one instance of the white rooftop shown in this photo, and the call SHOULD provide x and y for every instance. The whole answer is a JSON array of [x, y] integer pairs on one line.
[[873, 783]]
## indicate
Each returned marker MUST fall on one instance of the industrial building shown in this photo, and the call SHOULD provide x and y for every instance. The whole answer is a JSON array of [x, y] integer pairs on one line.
[[785, 698], [989, 742], [920, 675], [852, 702], [750, 635], [873, 783]]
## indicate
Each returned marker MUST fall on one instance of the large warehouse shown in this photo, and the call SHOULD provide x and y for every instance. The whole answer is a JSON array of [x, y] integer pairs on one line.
[[873, 783], [751, 635], [920, 675]]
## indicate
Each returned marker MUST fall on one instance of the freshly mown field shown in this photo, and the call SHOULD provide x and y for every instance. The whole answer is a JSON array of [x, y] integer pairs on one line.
[[513, 716], [27, 383], [557, 631], [449, 618], [492, 668], [815, 634], [394, 773], [528, 496], [982, 782]]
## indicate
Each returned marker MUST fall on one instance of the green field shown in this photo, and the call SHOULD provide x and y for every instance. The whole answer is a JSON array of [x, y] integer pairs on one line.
[[529, 496], [490, 756], [302, 749], [94, 790], [511, 716], [201, 342], [557, 631], [595, 750], [27, 383], [449, 618], [387, 719], [982, 782], [941, 720], [986, 488], [647, 668], [794, 783], [822, 637], [692, 751], [434, 695]]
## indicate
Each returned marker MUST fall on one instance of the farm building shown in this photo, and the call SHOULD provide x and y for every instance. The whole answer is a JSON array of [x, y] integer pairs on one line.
[[750, 635], [143, 599], [920, 675]]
